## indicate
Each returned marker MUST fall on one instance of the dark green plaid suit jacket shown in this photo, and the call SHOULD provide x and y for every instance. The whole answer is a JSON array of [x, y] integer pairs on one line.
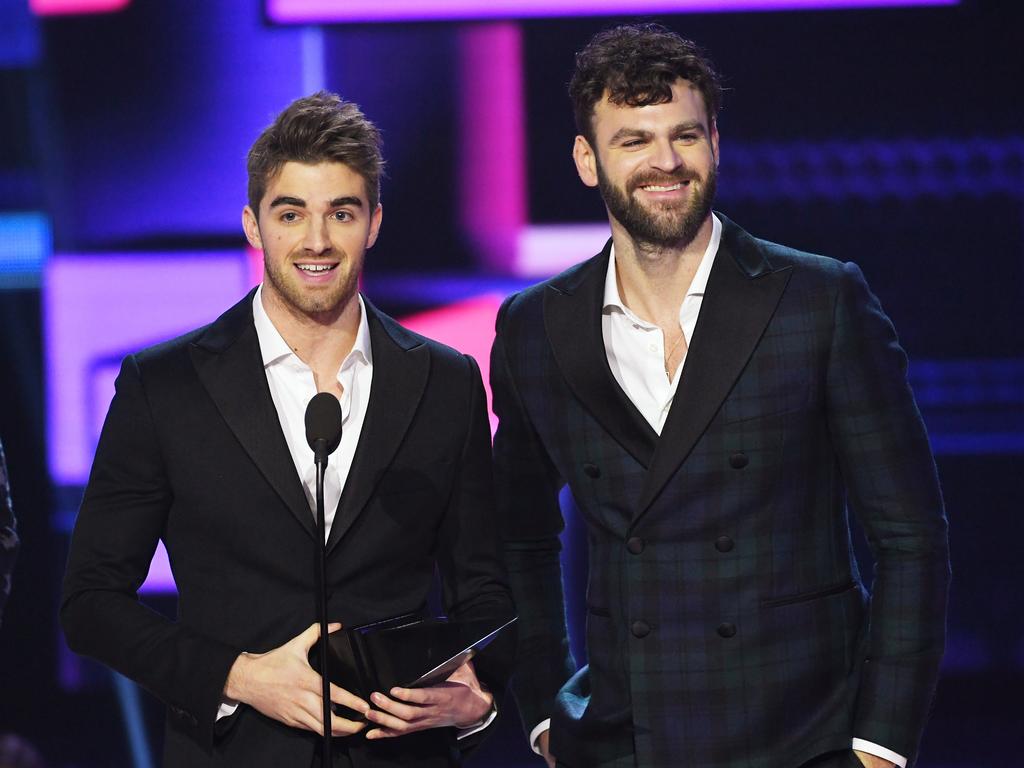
[[727, 625]]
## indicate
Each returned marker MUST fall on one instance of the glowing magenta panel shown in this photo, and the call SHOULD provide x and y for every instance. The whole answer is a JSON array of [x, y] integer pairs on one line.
[[74, 7], [97, 309], [313, 11], [466, 325], [492, 167]]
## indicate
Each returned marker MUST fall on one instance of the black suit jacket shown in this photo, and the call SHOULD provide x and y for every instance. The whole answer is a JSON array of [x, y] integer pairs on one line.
[[192, 452], [727, 626]]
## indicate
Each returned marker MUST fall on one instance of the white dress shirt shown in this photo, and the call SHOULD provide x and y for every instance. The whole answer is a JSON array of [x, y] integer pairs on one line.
[[636, 347], [636, 356], [292, 386]]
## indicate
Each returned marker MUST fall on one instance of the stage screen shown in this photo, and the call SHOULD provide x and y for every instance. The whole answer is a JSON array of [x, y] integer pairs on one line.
[[351, 11]]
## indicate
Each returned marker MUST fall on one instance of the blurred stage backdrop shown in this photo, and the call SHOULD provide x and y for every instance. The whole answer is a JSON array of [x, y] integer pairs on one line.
[[887, 133]]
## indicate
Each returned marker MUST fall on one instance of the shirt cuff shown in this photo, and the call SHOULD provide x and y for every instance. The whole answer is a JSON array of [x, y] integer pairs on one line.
[[542, 726], [878, 751], [461, 733], [227, 708]]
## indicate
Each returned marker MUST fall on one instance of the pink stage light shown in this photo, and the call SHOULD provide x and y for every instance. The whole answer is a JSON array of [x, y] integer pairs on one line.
[[326, 11], [492, 169], [75, 7], [469, 327]]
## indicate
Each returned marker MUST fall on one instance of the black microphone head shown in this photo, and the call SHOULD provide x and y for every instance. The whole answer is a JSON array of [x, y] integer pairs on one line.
[[323, 424]]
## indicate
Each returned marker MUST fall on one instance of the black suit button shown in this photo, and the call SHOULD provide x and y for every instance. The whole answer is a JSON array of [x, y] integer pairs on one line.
[[641, 629], [724, 544], [726, 629], [738, 460], [591, 470], [635, 545]]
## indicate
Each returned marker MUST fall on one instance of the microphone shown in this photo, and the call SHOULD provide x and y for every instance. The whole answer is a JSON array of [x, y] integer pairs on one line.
[[323, 433], [323, 426]]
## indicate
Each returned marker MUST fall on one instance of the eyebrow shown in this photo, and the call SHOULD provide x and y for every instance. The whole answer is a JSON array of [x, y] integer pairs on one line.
[[286, 200], [629, 133], [349, 200], [300, 203]]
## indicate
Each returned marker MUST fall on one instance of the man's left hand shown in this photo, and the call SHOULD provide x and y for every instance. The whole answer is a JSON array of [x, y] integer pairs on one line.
[[459, 701], [870, 761]]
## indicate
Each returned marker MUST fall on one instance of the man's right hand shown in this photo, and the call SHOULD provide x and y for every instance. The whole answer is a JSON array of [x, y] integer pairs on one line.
[[282, 685], [545, 750]]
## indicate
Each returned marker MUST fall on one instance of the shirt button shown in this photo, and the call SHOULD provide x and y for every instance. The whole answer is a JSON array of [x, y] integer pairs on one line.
[[653, 348], [726, 629], [724, 544], [738, 460], [635, 545], [591, 470], [640, 629]]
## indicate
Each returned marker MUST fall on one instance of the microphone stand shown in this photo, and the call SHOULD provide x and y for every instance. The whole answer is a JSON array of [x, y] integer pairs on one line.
[[323, 433], [320, 458]]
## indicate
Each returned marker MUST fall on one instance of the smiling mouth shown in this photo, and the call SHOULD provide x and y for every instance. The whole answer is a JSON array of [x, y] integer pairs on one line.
[[315, 269], [664, 188]]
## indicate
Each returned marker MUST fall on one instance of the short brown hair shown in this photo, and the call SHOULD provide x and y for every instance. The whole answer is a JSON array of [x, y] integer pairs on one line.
[[636, 64], [315, 129]]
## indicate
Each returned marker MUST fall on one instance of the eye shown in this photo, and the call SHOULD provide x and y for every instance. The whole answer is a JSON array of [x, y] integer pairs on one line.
[[289, 216], [343, 216]]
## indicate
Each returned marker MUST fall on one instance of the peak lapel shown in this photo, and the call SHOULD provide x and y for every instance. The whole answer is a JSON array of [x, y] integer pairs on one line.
[[572, 320], [228, 362], [401, 365], [742, 294]]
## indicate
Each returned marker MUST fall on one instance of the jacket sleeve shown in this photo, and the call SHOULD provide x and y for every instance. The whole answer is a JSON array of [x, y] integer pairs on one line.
[[893, 489], [527, 486], [472, 573], [122, 517], [9, 542]]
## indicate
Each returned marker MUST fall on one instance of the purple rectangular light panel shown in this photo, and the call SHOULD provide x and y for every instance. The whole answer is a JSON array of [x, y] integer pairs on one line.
[[332, 11], [99, 308]]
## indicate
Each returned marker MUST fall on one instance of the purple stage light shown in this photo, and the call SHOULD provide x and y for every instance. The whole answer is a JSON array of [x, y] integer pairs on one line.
[[547, 249], [97, 309], [328, 11]]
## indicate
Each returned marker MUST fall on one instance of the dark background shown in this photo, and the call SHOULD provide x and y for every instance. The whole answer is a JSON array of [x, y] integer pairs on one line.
[[892, 138]]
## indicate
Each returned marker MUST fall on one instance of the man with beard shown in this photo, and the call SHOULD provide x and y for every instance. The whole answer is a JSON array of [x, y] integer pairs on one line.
[[204, 447], [713, 401]]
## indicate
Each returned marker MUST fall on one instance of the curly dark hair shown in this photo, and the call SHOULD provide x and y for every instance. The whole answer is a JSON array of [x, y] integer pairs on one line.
[[636, 64], [315, 129]]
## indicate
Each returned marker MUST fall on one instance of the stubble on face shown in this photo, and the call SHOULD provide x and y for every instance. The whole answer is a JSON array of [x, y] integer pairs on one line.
[[660, 225], [325, 303]]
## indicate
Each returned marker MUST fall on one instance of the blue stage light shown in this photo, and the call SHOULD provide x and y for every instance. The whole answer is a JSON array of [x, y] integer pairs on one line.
[[26, 241]]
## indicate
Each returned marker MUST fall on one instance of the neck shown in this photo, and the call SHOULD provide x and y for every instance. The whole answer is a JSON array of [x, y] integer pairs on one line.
[[321, 340], [653, 279]]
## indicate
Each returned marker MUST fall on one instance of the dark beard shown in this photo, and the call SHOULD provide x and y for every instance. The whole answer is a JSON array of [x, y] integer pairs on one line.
[[666, 227]]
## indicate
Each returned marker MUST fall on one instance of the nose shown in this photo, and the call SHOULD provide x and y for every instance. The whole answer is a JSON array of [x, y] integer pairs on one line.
[[665, 156], [316, 239]]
